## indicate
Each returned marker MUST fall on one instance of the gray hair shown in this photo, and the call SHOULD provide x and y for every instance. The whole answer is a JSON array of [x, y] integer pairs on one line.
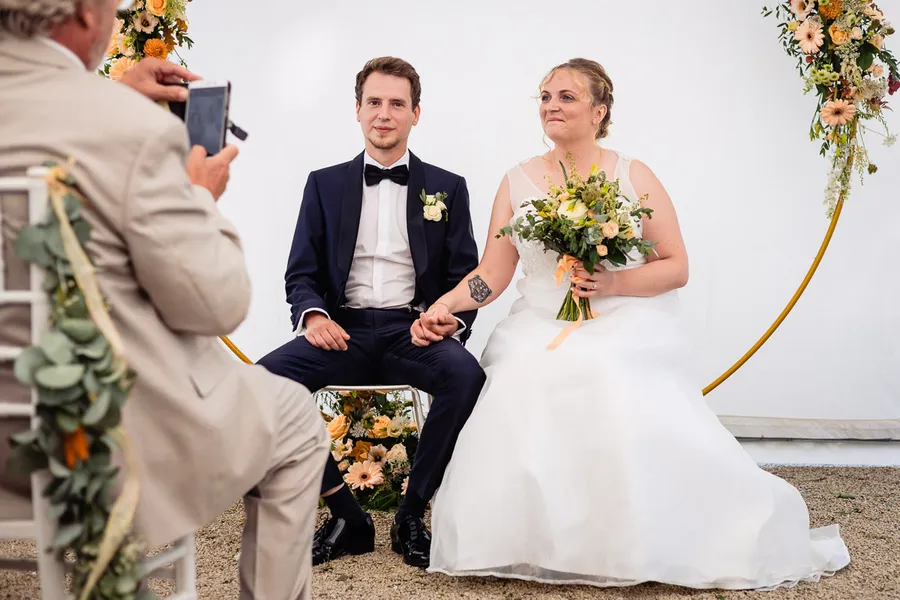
[[33, 18]]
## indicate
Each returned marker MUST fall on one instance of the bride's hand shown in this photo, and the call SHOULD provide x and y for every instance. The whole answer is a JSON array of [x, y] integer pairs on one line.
[[585, 285], [433, 325]]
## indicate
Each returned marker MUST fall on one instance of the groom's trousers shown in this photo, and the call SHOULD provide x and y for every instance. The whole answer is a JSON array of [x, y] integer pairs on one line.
[[380, 352]]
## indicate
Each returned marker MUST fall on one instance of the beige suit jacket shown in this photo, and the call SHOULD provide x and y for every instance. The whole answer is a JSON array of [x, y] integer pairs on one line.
[[172, 270]]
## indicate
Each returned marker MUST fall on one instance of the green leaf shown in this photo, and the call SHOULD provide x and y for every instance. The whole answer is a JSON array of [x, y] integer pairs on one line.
[[126, 585], [90, 382], [53, 240], [66, 422], [866, 56], [24, 437], [24, 460], [80, 330], [59, 377], [103, 364], [72, 206], [29, 246], [79, 482], [53, 398], [58, 469], [58, 348], [51, 281], [94, 486], [98, 409], [67, 534], [57, 510], [27, 363], [82, 231]]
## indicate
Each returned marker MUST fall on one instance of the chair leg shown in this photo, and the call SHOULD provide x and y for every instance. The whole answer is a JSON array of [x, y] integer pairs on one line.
[[186, 567], [51, 571]]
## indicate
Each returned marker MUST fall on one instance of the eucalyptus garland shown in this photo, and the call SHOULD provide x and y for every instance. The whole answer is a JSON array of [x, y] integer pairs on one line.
[[82, 383]]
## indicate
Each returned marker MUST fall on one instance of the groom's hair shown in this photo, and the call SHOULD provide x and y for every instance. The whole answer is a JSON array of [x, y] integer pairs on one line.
[[388, 65]]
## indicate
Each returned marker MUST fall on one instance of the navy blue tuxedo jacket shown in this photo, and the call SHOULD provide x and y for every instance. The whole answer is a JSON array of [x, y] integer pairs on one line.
[[443, 252]]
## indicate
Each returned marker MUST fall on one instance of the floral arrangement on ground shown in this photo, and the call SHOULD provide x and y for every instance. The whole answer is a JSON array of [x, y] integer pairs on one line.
[[373, 439]]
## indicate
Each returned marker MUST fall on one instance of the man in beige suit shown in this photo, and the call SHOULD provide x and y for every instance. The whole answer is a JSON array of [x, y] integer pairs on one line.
[[208, 428]]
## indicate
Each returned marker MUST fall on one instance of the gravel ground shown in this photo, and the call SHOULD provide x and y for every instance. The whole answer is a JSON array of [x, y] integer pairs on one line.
[[869, 520]]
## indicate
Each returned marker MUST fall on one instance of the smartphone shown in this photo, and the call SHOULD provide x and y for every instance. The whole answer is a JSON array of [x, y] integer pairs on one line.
[[206, 114]]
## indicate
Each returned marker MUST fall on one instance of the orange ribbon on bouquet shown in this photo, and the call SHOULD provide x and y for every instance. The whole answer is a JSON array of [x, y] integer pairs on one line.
[[568, 263]]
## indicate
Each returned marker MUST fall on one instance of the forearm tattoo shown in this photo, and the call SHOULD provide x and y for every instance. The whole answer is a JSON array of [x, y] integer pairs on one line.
[[478, 289]]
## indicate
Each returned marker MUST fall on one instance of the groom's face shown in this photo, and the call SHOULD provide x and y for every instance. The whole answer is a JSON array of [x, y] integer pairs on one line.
[[386, 113]]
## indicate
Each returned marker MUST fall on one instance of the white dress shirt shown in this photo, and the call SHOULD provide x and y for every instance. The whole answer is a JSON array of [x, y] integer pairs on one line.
[[382, 274]]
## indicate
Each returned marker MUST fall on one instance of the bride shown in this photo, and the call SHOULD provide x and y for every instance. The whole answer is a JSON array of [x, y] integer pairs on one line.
[[599, 462]]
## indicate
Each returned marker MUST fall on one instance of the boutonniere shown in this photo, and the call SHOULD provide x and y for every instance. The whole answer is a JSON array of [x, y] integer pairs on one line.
[[434, 207]]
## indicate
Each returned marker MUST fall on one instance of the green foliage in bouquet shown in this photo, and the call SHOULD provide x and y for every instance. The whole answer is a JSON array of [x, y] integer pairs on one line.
[[374, 439]]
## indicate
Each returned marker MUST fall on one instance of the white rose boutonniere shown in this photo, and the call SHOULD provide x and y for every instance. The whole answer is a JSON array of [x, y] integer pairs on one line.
[[434, 208]]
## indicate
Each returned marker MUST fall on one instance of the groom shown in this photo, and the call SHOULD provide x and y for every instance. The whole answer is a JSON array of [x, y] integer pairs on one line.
[[368, 255]]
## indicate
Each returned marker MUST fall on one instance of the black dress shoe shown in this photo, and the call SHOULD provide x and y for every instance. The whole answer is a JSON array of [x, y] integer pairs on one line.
[[338, 537], [412, 539]]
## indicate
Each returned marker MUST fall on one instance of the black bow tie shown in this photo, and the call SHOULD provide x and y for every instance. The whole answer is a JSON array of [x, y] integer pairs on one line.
[[399, 175]]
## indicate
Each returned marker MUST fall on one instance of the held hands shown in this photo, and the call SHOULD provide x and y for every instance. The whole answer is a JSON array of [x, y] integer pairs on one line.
[[149, 75], [324, 333], [601, 283], [433, 325]]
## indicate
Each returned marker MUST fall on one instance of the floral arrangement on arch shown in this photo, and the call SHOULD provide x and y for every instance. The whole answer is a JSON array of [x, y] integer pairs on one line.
[[841, 54], [150, 28], [374, 440]]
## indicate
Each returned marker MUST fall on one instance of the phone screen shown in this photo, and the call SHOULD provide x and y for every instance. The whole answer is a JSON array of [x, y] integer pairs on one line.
[[206, 117]]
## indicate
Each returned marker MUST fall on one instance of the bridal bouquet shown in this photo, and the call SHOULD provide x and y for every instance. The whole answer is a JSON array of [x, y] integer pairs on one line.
[[841, 52], [373, 440], [587, 221], [150, 28]]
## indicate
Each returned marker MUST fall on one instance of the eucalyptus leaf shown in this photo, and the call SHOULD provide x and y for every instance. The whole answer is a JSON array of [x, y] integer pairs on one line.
[[76, 307], [24, 460], [57, 510], [82, 231], [111, 419], [62, 492], [59, 377], [103, 364], [72, 206], [94, 486], [90, 382], [98, 408], [28, 362], [24, 437], [67, 422], [58, 348], [51, 281], [54, 242], [126, 585], [94, 350], [58, 469], [80, 330], [67, 534], [79, 482], [29, 246], [54, 398]]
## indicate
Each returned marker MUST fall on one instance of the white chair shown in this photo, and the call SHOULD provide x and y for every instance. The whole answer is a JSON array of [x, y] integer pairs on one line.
[[421, 400], [51, 571]]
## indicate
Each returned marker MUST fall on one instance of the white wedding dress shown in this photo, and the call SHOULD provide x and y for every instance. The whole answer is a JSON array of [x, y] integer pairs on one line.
[[600, 463]]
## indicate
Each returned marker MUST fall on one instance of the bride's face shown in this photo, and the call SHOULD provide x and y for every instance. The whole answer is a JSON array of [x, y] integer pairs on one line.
[[565, 108]]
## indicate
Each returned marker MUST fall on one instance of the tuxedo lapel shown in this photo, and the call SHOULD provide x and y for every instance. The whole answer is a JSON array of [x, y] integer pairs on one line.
[[415, 219], [351, 207]]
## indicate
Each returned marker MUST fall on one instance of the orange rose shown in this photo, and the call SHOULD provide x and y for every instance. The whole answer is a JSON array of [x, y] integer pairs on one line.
[[157, 7], [338, 427], [838, 36], [380, 428]]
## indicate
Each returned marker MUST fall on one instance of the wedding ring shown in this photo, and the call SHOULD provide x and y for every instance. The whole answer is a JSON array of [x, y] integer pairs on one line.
[[594, 285]]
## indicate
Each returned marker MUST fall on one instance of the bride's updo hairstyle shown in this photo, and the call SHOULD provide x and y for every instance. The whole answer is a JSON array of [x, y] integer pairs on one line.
[[597, 84]]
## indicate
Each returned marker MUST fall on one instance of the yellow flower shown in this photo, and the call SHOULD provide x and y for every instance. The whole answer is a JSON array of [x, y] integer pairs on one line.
[[156, 48], [380, 428], [364, 475], [361, 450], [573, 210], [338, 427], [793, 26], [594, 170], [157, 7], [120, 67]]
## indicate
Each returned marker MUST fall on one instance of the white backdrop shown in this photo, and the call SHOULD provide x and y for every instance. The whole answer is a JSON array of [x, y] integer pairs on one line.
[[704, 95]]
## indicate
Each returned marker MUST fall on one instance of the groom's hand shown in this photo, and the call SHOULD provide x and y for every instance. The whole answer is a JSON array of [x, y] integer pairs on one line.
[[324, 333], [433, 326]]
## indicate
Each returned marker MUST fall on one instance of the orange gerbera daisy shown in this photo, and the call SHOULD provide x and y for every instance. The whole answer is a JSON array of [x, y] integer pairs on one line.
[[837, 113], [120, 67]]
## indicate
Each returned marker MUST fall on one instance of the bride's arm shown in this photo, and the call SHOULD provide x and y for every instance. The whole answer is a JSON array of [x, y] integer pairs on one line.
[[668, 269], [497, 267]]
